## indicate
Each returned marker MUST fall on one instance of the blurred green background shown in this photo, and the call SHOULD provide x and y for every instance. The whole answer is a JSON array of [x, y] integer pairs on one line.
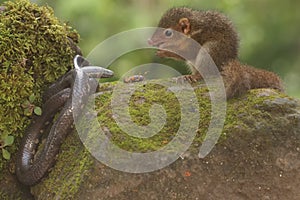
[[269, 30]]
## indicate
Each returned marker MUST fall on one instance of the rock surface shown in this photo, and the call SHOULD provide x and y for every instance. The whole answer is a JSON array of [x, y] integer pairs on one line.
[[258, 157]]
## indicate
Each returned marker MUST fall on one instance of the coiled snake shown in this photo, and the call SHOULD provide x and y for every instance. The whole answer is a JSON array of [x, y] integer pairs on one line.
[[32, 166]]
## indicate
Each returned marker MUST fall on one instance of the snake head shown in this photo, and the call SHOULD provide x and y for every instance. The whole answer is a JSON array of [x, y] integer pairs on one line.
[[81, 63]]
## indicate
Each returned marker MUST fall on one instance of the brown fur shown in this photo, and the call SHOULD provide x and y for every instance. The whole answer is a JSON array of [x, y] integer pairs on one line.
[[217, 35], [215, 28], [239, 78]]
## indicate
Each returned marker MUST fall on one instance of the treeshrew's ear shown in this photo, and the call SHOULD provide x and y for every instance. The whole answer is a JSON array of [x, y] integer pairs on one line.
[[185, 25]]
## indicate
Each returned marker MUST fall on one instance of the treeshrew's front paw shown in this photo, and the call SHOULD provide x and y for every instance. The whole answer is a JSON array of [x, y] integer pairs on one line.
[[187, 78]]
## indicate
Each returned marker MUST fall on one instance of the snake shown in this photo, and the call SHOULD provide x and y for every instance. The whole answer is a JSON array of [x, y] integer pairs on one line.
[[33, 165]]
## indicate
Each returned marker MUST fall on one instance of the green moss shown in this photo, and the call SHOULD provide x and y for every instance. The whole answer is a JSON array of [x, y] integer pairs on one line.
[[241, 112], [35, 51], [245, 112], [68, 173], [144, 96]]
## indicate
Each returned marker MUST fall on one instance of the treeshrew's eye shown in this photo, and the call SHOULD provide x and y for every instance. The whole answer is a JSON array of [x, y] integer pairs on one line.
[[168, 32]]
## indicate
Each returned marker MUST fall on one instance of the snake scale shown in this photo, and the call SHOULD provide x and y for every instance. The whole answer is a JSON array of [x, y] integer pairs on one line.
[[32, 166]]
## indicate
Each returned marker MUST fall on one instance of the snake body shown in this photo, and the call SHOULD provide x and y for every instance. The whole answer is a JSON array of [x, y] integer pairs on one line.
[[31, 166]]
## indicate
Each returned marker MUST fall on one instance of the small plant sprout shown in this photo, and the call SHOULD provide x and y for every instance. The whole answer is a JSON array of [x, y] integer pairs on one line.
[[6, 140], [30, 108]]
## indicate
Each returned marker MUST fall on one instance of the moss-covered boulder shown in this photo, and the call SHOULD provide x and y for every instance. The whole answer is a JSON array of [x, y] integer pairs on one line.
[[35, 49], [258, 149]]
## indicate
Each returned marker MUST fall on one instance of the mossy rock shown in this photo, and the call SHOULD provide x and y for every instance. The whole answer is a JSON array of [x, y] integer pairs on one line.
[[36, 48], [249, 119]]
